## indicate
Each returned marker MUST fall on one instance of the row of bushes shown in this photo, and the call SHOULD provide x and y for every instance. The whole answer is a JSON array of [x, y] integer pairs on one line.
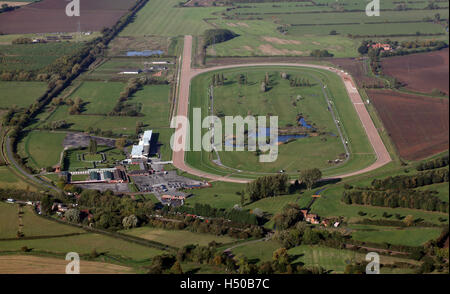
[[412, 181], [235, 215], [405, 198], [433, 164]]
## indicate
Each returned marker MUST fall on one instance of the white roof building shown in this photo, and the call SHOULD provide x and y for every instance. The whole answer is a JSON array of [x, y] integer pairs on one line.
[[143, 148]]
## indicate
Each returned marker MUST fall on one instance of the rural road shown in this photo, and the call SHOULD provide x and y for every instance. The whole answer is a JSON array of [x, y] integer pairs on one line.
[[188, 73]]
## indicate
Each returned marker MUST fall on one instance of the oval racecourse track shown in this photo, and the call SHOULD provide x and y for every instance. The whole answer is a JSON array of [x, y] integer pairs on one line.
[[188, 73]]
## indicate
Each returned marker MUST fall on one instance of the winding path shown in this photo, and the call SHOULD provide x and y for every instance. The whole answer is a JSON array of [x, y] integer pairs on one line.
[[188, 73]]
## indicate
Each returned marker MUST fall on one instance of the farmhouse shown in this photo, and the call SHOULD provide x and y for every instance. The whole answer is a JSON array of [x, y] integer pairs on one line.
[[385, 47], [310, 217]]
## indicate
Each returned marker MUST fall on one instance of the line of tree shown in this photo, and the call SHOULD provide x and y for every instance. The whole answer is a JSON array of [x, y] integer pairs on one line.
[[236, 215], [218, 80], [412, 181], [299, 82], [433, 164], [218, 227], [424, 200]]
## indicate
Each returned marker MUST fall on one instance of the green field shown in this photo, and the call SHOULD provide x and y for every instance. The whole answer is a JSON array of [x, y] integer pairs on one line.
[[397, 236], [20, 94], [33, 56], [300, 154], [307, 25], [33, 225], [10, 180], [330, 259], [42, 149], [177, 238], [336, 260], [155, 107], [98, 97], [220, 195], [330, 205], [157, 18]]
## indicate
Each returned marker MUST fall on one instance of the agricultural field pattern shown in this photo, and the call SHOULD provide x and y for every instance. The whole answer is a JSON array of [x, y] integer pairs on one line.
[[254, 137]]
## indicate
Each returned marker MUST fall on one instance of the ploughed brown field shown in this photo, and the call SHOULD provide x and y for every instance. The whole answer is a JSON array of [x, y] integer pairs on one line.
[[20, 264], [49, 16], [418, 125], [421, 72]]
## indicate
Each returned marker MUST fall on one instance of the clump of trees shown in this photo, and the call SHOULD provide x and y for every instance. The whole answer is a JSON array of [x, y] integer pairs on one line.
[[310, 177], [302, 234], [267, 186], [320, 53], [288, 217], [215, 36]]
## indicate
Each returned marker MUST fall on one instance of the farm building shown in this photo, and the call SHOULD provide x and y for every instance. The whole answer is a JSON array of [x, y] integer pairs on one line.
[[385, 47], [130, 72], [110, 175]]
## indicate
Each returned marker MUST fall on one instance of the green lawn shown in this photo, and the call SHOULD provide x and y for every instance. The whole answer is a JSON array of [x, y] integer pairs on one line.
[[177, 238], [20, 94], [42, 149], [281, 100]]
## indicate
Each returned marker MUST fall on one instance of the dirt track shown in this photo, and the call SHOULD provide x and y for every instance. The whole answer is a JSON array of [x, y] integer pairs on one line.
[[187, 74]]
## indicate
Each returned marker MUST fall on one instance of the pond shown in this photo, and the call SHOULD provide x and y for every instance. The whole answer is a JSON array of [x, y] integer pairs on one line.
[[265, 132]]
